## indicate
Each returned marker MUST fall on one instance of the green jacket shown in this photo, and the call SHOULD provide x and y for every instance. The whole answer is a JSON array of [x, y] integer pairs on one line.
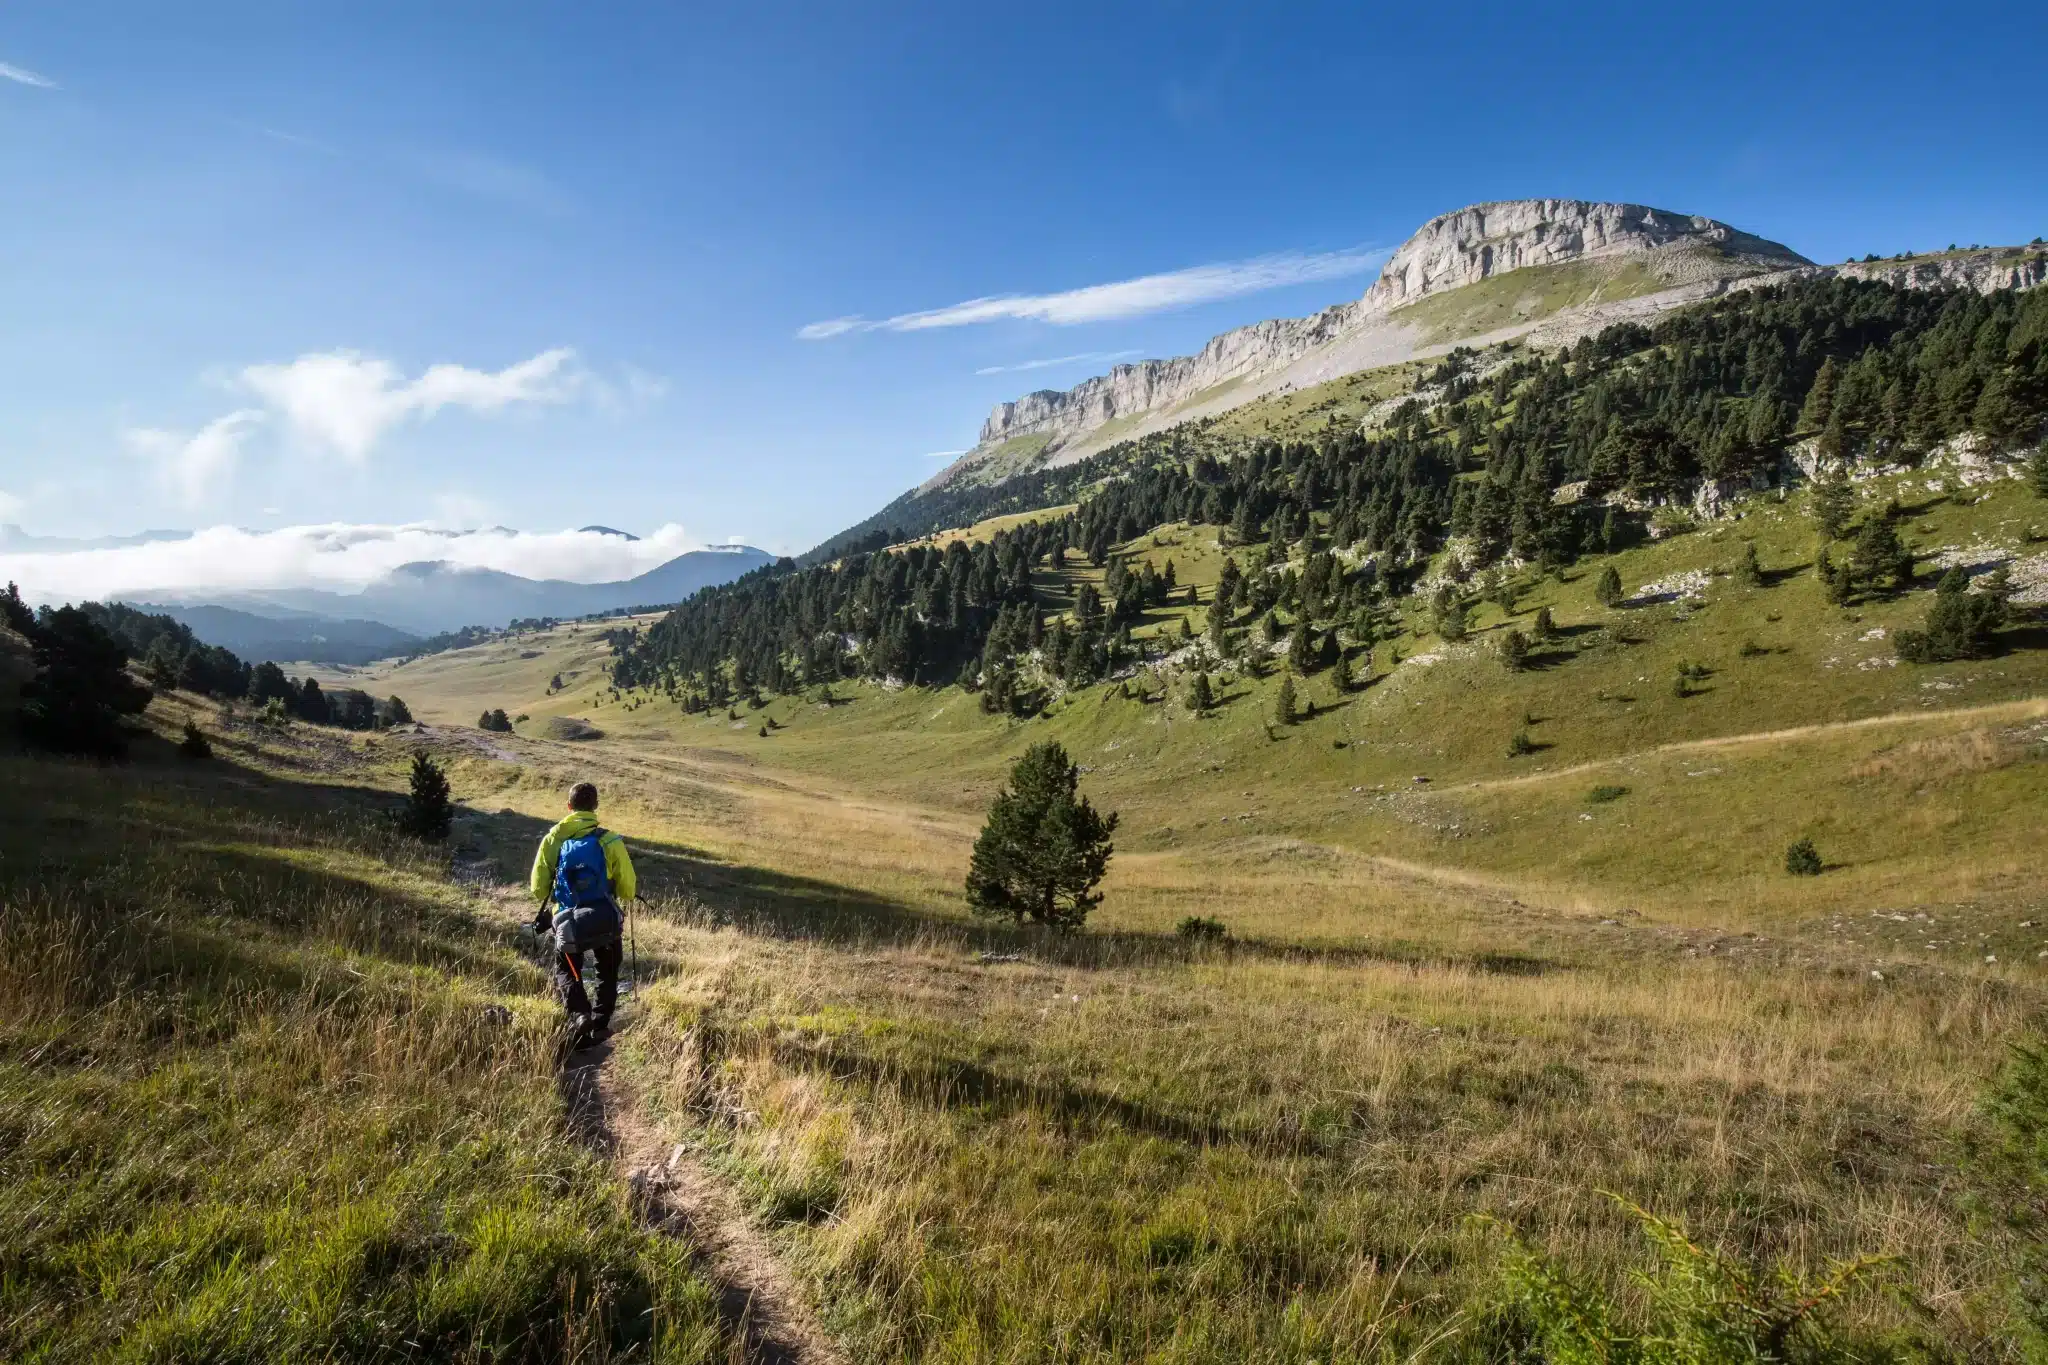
[[618, 867]]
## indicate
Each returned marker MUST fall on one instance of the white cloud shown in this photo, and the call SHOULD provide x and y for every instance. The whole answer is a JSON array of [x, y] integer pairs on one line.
[[21, 75], [1123, 298], [195, 467], [1085, 357], [832, 327], [346, 401], [336, 557], [943, 454], [10, 505]]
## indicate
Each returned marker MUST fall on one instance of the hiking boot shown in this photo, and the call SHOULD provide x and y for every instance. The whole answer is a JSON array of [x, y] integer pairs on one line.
[[597, 1031]]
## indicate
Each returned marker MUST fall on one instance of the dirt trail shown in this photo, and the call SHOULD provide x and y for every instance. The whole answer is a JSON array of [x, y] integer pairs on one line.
[[2026, 709], [673, 1194]]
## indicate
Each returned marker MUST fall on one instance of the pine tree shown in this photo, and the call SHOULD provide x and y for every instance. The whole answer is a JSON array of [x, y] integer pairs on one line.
[[1300, 649], [1340, 674], [1607, 590], [1514, 651], [1283, 700], [428, 810], [1044, 848], [1200, 697], [396, 712], [1747, 569], [1820, 399], [2037, 471], [1834, 502], [1880, 554], [81, 692], [1545, 627]]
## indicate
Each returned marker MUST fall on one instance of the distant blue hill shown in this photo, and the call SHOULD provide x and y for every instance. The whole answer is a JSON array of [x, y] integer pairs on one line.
[[428, 598]]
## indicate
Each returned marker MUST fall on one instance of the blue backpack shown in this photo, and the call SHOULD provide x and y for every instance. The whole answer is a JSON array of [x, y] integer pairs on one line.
[[586, 916]]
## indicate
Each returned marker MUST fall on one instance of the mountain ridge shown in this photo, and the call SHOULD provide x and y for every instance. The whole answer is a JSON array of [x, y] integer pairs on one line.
[[1687, 255], [1545, 269], [429, 597]]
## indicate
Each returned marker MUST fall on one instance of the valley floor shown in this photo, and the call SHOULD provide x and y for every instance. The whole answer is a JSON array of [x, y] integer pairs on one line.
[[1448, 1006]]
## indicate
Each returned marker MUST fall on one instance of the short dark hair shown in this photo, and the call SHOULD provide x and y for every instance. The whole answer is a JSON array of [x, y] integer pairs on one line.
[[583, 796]]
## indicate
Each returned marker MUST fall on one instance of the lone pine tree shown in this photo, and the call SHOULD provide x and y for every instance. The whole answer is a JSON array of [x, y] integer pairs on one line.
[[1044, 847], [429, 810], [1283, 701], [1607, 590]]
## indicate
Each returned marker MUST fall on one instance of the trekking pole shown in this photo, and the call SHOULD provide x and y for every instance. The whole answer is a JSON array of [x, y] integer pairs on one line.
[[633, 937]]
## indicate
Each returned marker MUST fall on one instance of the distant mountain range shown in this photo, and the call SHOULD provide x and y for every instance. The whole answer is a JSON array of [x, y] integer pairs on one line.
[[426, 598], [13, 538]]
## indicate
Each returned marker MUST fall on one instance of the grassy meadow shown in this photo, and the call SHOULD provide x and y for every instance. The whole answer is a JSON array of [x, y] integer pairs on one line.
[[1463, 990], [273, 1088]]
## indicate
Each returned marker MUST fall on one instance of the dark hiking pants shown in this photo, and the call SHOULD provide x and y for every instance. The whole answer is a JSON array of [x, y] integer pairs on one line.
[[602, 963]]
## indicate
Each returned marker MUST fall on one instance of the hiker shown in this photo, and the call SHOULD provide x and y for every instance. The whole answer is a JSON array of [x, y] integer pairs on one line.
[[584, 868]]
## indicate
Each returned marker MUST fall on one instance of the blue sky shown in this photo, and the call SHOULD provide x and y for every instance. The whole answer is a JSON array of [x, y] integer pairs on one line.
[[277, 263]]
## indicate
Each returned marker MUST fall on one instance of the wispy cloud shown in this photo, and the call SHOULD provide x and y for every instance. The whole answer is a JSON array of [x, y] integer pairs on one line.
[[1083, 358], [193, 468], [943, 454], [484, 176], [345, 401], [1123, 298], [21, 75], [832, 327]]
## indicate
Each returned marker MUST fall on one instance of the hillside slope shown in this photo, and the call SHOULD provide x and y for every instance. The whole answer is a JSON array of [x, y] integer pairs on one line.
[[1492, 983]]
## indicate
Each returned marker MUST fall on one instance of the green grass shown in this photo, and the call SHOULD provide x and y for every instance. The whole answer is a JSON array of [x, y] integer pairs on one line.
[[1527, 295], [252, 1106], [1496, 992]]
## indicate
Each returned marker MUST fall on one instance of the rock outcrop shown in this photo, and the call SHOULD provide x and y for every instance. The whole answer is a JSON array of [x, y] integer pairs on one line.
[[1447, 253], [1472, 244], [1983, 269], [1654, 260]]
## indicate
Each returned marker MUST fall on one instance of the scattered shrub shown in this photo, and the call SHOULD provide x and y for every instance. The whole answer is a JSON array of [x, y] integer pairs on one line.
[[2007, 1161], [1802, 859], [195, 744], [1960, 625], [1699, 1307], [1202, 929], [1606, 793], [1520, 745]]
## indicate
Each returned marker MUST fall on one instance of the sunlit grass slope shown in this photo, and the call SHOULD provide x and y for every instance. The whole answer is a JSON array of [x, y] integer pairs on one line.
[[271, 1088], [1483, 993]]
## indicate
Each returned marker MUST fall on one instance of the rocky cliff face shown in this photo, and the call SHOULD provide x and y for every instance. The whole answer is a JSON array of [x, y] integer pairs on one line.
[[1683, 258], [1982, 270], [1448, 252], [1475, 243]]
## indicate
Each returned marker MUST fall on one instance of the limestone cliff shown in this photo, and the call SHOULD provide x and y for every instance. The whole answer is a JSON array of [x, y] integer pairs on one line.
[[1983, 269], [1447, 253]]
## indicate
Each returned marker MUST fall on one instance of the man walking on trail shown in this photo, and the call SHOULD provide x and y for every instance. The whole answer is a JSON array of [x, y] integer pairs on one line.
[[584, 869]]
